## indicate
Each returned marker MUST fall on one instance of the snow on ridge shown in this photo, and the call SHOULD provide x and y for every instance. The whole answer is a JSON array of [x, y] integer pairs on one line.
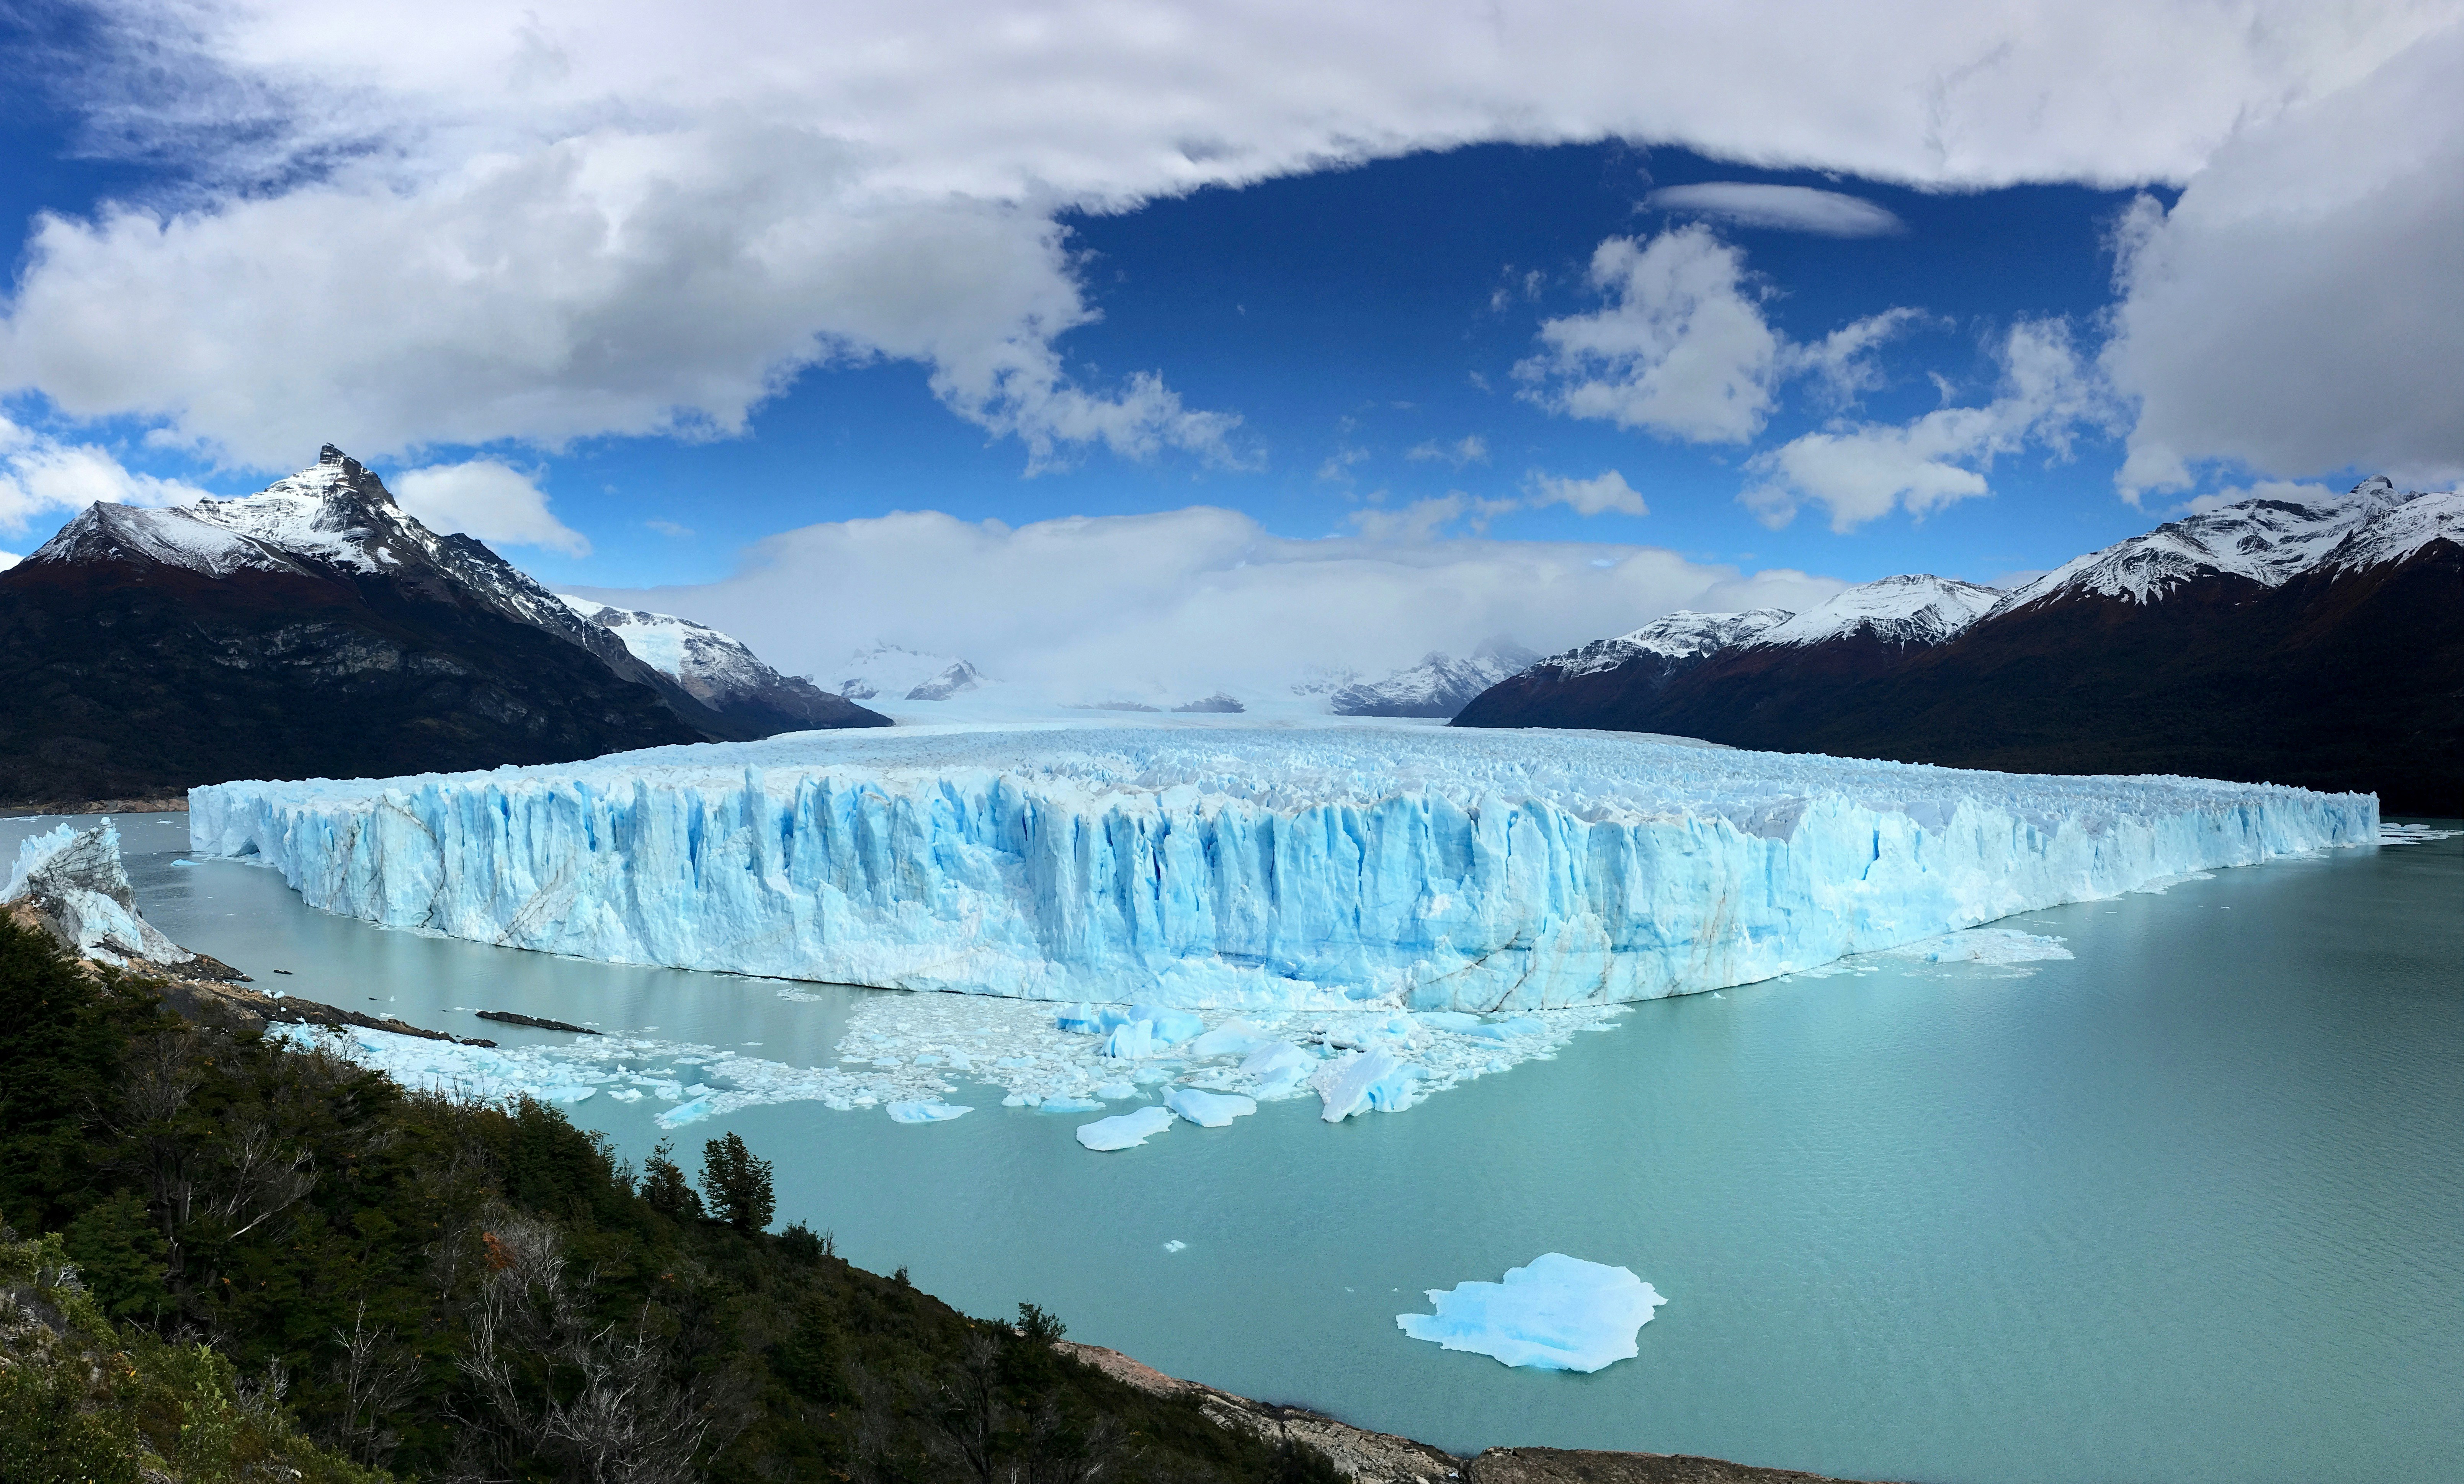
[[173, 535], [1240, 867], [1912, 609], [2398, 532], [710, 666]]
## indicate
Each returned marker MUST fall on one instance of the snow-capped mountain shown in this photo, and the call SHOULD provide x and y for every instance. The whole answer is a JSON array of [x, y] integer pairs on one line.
[[314, 627], [2269, 640], [1919, 608], [1439, 686], [1643, 662], [2267, 542], [715, 669], [886, 672]]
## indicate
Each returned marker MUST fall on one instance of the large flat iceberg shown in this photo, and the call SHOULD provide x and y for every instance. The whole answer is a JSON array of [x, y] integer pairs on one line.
[[1560, 1314], [1242, 868]]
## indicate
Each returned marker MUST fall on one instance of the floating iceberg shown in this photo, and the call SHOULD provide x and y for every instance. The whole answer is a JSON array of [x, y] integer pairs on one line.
[[1241, 868], [926, 1112], [1560, 1314], [1126, 1130], [1209, 1110]]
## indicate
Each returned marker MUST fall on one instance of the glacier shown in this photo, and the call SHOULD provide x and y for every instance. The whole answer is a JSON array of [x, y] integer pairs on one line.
[[1240, 867], [1560, 1314]]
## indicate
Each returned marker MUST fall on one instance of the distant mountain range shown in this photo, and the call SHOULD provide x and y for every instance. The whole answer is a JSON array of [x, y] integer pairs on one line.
[[2271, 640], [1439, 686], [316, 628]]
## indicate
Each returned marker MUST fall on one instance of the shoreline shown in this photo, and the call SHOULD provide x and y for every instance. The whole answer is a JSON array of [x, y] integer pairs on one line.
[[1368, 1457]]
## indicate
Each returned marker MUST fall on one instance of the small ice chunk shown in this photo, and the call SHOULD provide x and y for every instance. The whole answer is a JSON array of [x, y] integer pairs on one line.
[[1232, 1038], [1176, 1246], [1132, 1040], [1343, 1085], [1085, 1019], [1560, 1314], [1126, 1130], [1448, 1020], [683, 1113], [1208, 1110], [1170, 1027], [1115, 1092], [922, 1111], [625, 1095], [1070, 1105]]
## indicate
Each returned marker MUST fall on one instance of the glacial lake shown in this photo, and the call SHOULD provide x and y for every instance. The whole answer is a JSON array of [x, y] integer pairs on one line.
[[2188, 1205]]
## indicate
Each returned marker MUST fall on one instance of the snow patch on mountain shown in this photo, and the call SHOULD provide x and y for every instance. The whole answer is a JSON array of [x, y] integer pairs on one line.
[[1439, 686], [1914, 609]]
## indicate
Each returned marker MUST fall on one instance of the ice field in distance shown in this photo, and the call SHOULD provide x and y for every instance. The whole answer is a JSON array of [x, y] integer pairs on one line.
[[1240, 867]]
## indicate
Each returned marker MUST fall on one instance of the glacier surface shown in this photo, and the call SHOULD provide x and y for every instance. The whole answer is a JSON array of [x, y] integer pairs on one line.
[[1241, 868], [1560, 1314]]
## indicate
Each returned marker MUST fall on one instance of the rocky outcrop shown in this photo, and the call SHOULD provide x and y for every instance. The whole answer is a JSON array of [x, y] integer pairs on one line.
[[1368, 1457]]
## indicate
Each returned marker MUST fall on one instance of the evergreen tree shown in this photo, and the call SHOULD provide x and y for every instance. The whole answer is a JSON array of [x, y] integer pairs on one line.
[[664, 1187], [738, 1184]]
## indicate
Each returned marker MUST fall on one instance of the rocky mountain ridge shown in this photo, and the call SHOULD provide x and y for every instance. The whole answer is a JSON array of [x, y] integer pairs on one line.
[[314, 629]]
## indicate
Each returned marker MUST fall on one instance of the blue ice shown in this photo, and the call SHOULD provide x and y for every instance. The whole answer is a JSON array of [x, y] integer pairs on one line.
[[1560, 1314]]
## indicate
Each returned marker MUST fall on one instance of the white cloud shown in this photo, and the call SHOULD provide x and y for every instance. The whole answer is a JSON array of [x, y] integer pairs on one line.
[[1470, 448], [1842, 361], [1599, 495], [489, 500], [1680, 349], [1828, 213], [1189, 601], [41, 477], [2300, 310], [459, 222], [1861, 472]]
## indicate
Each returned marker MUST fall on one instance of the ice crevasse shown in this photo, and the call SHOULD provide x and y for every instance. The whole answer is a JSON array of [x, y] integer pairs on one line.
[[1433, 869]]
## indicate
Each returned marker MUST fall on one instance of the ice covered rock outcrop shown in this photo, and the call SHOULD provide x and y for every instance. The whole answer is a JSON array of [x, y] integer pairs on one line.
[[1232, 866], [76, 886], [1560, 1314]]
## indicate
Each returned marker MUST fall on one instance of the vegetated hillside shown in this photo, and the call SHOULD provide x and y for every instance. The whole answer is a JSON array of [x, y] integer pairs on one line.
[[2318, 646], [316, 628], [464, 1292]]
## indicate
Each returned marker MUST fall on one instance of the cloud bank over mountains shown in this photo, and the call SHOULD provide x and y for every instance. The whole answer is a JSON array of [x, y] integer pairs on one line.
[[1172, 607], [458, 224]]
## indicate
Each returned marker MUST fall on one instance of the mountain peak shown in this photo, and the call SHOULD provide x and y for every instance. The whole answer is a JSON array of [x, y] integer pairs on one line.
[[330, 455]]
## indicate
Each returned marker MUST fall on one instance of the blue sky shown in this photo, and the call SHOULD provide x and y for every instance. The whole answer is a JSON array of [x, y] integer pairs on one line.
[[1834, 294]]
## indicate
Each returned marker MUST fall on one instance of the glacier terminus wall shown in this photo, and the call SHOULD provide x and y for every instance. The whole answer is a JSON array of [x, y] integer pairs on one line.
[[1241, 866]]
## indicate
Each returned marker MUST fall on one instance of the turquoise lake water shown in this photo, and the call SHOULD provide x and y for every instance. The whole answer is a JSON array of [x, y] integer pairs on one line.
[[2187, 1206]]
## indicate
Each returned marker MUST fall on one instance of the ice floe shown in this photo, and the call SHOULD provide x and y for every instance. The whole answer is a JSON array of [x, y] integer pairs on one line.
[[1125, 1130], [1560, 1313]]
